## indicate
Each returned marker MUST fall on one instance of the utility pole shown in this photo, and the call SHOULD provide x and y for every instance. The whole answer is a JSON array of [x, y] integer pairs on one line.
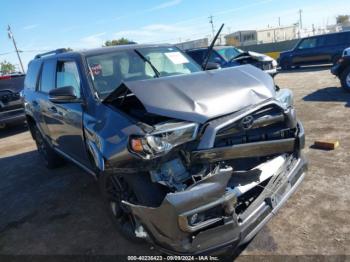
[[212, 24], [300, 19], [10, 34]]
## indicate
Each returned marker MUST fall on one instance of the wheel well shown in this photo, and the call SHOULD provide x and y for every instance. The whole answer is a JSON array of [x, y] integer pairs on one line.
[[31, 124]]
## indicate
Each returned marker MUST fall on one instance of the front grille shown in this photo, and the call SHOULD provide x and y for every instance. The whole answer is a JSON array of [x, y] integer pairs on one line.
[[267, 66], [264, 65], [266, 124]]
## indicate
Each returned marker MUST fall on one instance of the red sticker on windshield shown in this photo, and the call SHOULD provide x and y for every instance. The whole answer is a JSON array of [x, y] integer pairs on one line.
[[96, 69]]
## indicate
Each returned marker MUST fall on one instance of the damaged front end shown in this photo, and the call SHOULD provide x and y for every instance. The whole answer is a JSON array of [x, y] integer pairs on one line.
[[226, 177]]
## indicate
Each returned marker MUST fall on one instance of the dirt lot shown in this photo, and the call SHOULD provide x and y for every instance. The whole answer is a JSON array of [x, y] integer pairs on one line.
[[60, 212]]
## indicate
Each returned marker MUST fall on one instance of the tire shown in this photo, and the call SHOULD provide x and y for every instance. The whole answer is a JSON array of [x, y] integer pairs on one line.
[[285, 66], [335, 59], [345, 79], [134, 188], [51, 158]]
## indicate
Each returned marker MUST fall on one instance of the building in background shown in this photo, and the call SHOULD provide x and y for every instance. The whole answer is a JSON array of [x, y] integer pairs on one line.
[[241, 38], [276, 34], [203, 42]]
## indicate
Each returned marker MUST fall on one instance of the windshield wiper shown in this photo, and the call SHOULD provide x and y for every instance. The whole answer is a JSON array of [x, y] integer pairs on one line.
[[148, 62], [210, 49]]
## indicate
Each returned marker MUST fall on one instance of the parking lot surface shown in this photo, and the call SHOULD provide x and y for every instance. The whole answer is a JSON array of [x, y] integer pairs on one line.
[[60, 212]]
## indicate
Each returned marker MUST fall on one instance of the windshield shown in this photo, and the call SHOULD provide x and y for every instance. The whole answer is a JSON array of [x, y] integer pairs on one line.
[[108, 71], [229, 53]]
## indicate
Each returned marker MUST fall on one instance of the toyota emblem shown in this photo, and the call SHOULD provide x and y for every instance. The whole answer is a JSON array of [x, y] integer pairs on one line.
[[247, 122]]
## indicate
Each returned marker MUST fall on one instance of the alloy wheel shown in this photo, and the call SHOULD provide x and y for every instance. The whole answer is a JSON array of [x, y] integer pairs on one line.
[[118, 190]]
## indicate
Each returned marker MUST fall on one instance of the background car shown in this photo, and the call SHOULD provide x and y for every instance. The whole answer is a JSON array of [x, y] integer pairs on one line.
[[342, 69], [11, 106], [229, 56], [315, 50]]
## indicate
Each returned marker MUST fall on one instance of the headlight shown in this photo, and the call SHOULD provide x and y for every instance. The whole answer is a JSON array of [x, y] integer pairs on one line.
[[163, 139], [274, 63], [285, 96]]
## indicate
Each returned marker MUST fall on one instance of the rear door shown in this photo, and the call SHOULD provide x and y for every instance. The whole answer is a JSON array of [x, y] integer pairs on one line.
[[41, 104], [65, 122]]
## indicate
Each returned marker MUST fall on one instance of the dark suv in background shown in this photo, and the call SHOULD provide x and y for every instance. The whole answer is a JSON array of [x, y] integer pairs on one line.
[[189, 160], [11, 105], [320, 49]]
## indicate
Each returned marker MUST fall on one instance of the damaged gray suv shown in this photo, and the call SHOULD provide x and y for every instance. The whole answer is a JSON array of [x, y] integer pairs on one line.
[[192, 161]]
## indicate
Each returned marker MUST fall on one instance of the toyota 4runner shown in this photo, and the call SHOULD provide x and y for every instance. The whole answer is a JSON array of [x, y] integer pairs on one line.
[[189, 160]]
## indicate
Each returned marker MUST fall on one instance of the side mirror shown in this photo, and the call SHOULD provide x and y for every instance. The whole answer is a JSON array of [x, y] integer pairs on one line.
[[212, 66], [64, 94]]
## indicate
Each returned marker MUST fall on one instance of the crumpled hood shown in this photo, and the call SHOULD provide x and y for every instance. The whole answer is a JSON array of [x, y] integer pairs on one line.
[[201, 96]]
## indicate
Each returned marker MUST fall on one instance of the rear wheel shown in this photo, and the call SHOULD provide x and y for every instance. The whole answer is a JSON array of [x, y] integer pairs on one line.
[[285, 66], [335, 59], [51, 158], [345, 79], [133, 188]]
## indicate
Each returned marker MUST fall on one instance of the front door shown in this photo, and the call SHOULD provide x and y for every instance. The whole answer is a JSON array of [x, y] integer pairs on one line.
[[306, 52], [65, 123]]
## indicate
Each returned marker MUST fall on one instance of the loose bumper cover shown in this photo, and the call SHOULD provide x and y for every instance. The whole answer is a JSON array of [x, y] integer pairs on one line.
[[169, 225]]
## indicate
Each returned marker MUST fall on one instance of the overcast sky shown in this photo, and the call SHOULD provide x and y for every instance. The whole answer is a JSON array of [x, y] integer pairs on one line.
[[40, 25]]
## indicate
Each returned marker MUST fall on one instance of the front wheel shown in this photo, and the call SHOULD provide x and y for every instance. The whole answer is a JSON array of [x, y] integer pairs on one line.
[[345, 79], [133, 188]]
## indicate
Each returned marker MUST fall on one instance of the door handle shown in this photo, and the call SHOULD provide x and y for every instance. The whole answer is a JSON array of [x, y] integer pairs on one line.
[[53, 109]]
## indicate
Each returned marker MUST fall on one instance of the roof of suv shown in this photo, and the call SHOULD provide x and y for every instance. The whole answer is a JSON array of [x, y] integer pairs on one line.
[[98, 51]]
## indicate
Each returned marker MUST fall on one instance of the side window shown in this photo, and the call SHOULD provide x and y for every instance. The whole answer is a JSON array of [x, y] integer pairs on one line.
[[68, 75], [32, 75], [47, 80], [307, 43]]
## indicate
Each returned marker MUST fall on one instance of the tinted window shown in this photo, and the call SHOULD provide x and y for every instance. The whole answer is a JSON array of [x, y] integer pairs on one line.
[[307, 43], [68, 75], [32, 74], [47, 81], [197, 56]]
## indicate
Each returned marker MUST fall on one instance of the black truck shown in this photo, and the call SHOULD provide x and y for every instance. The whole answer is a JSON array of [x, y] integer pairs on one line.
[[190, 160], [342, 69], [11, 106]]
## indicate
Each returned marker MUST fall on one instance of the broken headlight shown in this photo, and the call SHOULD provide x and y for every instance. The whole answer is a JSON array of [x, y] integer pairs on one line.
[[164, 138], [285, 96]]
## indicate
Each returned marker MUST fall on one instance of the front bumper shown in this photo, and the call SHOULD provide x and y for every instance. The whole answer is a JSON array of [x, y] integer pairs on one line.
[[169, 226]]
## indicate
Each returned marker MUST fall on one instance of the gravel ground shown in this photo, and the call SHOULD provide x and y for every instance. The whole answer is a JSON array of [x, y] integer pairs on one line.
[[60, 212]]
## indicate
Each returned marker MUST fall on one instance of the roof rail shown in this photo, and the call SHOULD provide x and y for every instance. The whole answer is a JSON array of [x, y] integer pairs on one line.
[[54, 52]]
